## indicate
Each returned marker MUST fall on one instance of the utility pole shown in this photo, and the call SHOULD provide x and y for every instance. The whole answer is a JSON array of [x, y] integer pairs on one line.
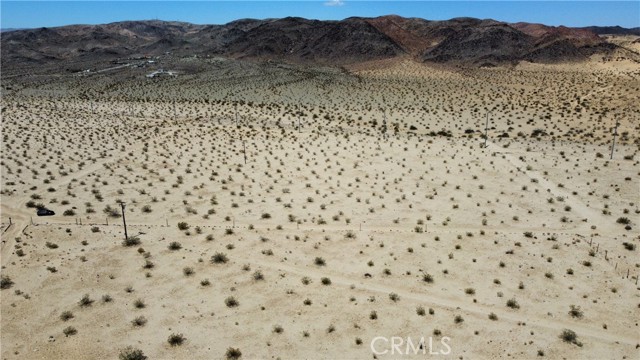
[[299, 118], [486, 130], [175, 115], [122, 204], [384, 125], [244, 151], [236, 115], [613, 144]]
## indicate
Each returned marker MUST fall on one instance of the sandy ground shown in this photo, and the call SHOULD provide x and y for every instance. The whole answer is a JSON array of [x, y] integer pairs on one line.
[[422, 232]]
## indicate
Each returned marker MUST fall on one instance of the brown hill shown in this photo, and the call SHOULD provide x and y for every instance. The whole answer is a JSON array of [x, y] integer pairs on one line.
[[460, 40], [349, 40]]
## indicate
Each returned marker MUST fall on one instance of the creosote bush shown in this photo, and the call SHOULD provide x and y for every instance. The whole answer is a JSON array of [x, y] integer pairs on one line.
[[219, 258], [233, 354], [5, 282], [85, 301], [69, 331], [139, 321], [176, 339], [575, 311], [66, 315], [131, 241], [131, 353], [570, 336], [231, 302]]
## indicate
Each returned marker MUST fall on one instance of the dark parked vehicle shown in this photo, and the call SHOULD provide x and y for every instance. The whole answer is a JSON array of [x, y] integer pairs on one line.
[[45, 212]]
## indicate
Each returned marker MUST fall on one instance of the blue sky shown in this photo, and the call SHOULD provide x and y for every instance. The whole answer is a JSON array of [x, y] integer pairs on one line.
[[29, 14]]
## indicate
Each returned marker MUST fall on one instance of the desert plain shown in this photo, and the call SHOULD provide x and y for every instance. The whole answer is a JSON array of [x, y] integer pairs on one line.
[[287, 211]]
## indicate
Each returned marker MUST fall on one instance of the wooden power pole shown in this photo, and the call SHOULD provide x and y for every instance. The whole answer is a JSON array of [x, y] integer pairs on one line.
[[613, 144], [244, 151], [486, 130], [124, 221], [384, 125]]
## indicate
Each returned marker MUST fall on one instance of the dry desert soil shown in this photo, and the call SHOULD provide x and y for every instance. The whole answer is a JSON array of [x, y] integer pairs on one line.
[[279, 211]]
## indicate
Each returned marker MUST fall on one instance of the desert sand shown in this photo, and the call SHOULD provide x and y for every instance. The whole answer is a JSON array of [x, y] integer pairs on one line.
[[287, 212]]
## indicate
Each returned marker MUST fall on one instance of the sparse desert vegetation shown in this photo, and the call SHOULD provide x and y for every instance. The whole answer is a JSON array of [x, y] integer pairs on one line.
[[367, 206]]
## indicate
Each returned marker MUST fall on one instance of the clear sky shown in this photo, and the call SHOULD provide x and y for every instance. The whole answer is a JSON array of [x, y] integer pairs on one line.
[[30, 14]]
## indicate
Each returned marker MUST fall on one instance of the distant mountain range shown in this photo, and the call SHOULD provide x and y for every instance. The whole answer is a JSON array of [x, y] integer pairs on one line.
[[11, 29], [460, 40]]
